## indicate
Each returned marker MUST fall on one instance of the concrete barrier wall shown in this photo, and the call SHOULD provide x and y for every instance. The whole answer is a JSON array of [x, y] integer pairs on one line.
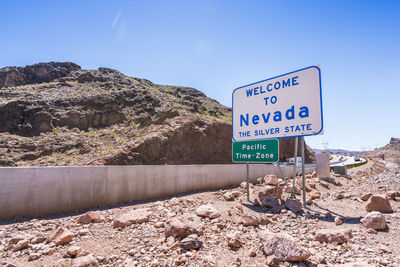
[[46, 190]]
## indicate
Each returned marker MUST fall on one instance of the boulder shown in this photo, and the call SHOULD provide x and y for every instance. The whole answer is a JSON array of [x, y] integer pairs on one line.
[[183, 227], [338, 236], [90, 217], [228, 196], [208, 211], [133, 216], [271, 179], [365, 197], [234, 240], [191, 242], [249, 220], [39, 238], [34, 256], [375, 220], [378, 202], [314, 194], [293, 205], [283, 246], [85, 261], [73, 251], [60, 236], [20, 245], [273, 191], [270, 202]]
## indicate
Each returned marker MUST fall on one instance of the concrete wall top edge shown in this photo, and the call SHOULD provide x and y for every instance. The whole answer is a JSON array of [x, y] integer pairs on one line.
[[140, 166]]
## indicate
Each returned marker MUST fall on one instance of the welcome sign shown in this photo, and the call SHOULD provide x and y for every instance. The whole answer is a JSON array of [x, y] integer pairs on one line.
[[288, 105]]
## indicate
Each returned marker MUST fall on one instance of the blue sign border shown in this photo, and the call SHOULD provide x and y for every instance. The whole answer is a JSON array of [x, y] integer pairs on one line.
[[320, 94]]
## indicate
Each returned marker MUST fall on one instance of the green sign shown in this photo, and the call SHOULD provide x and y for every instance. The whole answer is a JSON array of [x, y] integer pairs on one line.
[[256, 151]]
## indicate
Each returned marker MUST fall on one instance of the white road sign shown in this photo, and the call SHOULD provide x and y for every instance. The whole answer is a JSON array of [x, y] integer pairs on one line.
[[284, 106]]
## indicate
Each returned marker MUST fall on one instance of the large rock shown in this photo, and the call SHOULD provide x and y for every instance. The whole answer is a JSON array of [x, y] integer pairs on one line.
[[90, 217], [375, 220], [85, 261], [208, 210], [20, 245], [283, 246], [249, 220], [270, 202], [366, 196], [314, 194], [378, 202], [60, 236], [338, 236], [273, 191], [183, 227], [133, 216], [271, 179], [234, 240], [293, 205], [191, 242], [228, 196]]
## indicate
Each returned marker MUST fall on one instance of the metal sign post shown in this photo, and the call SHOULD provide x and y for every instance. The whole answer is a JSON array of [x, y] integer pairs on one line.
[[247, 181], [296, 142], [302, 171]]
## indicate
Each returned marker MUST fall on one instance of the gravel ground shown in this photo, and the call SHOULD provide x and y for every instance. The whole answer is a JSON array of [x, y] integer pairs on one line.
[[170, 232]]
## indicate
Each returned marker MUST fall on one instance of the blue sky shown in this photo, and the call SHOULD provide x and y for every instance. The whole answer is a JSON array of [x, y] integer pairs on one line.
[[216, 46]]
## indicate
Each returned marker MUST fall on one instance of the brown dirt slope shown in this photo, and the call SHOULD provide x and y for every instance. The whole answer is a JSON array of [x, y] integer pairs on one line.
[[390, 152]]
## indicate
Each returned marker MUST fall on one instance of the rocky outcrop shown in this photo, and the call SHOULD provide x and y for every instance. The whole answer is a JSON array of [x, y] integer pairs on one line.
[[389, 152], [195, 141], [37, 73], [102, 117]]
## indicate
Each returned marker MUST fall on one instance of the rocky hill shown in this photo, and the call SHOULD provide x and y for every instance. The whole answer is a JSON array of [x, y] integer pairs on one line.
[[60, 114], [390, 152]]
